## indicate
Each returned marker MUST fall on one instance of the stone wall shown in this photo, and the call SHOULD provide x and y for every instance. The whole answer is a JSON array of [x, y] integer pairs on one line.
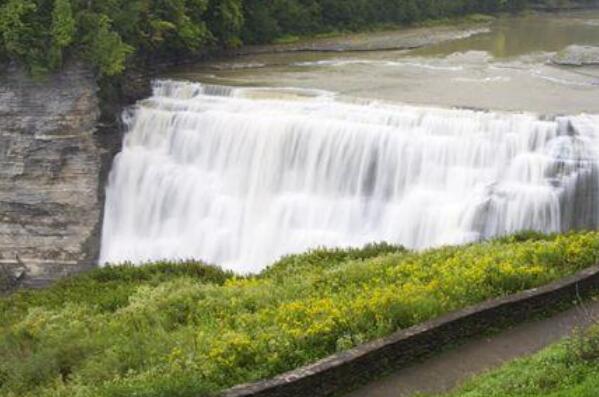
[[342, 372], [50, 163]]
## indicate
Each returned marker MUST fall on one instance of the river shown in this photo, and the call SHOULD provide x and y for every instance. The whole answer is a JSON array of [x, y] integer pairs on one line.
[[506, 65], [476, 133]]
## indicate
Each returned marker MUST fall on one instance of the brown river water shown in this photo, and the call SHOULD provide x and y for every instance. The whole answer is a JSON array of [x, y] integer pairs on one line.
[[504, 65]]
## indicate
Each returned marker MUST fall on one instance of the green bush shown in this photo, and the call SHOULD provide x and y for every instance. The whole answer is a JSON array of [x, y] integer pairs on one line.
[[189, 329], [107, 289]]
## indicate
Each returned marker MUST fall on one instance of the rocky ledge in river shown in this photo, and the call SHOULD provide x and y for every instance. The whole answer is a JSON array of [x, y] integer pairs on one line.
[[50, 162], [577, 55]]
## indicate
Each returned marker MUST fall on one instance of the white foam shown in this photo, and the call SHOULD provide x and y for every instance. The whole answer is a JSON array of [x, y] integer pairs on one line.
[[207, 172]]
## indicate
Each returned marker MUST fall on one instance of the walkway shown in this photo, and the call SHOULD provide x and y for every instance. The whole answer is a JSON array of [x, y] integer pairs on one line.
[[447, 370]]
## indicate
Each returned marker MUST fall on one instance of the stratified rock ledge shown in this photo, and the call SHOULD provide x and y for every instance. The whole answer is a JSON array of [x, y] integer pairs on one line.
[[50, 163], [577, 55]]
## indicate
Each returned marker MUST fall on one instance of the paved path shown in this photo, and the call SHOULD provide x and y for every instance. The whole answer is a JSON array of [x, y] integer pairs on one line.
[[447, 370]]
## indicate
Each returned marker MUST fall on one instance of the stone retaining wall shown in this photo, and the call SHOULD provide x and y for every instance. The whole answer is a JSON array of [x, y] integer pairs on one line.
[[342, 372]]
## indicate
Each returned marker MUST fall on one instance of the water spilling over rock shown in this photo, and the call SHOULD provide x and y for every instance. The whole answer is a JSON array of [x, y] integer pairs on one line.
[[240, 178]]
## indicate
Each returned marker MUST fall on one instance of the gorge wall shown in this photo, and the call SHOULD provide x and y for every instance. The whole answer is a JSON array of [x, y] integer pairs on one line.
[[50, 160]]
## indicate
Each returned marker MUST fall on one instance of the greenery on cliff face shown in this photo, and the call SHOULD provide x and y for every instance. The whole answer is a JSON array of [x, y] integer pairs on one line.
[[567, 369], [108, 33], [190, 330]]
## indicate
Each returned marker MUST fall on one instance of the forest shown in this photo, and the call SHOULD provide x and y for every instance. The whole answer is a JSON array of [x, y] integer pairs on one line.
[[110, 34]]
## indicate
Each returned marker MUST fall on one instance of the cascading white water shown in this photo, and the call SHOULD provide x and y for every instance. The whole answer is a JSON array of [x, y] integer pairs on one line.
[[239, 178]]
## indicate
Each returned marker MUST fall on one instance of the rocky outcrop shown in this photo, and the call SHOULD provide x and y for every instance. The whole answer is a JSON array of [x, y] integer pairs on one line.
[[50, 163], [577, 55]]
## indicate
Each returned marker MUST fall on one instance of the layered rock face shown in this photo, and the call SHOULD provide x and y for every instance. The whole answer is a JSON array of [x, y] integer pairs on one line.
[[50, 167], [578, 55]]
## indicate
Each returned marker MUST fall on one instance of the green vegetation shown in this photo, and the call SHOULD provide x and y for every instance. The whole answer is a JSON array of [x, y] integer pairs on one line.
[[109, 34], [188, 329], [567, 369]]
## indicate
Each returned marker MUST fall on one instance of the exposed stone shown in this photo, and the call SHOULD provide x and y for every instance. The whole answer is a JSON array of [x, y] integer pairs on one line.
[[50, 164], [577, 55], [11, 276]]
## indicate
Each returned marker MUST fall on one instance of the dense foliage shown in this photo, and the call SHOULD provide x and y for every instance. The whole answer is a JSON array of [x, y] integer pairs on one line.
[[40, 33], [189, 330], [567, 369]]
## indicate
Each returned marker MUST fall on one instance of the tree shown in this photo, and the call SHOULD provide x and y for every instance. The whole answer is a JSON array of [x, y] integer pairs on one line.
[[62, 31], [15, 30], [225, 21], [107, 51]]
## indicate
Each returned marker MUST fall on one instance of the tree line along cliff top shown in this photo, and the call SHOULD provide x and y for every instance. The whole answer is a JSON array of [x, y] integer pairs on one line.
[[111, 34]]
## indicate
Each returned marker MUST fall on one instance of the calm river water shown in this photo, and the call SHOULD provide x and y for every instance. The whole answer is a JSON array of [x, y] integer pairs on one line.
[[506, 65]]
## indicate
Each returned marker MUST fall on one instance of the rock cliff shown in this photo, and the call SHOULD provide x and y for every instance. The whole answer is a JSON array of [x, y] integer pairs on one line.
[[50, 168]]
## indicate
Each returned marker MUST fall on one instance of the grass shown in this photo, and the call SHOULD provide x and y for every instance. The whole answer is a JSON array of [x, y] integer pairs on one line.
[[287, 39], [107, 289], [567, 369], [181, 330]]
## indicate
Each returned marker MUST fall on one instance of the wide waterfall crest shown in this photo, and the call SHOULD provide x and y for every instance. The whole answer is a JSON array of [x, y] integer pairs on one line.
[[240, 177]]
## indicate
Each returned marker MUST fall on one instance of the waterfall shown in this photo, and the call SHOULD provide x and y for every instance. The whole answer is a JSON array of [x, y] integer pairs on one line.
[[241, 176]]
